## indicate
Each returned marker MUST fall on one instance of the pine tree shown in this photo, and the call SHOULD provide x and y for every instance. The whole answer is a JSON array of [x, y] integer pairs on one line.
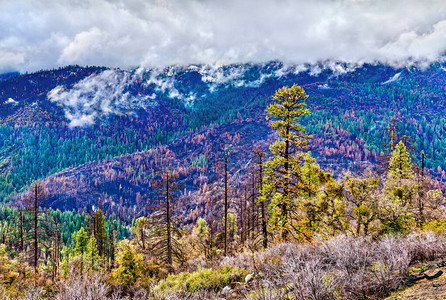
[[112, 248], [312, 179], [400, 165], [202, 235], [391, 137], [140, 231], [363, 197], [401, 190], [81, 242], [129, 265], [283, 169], [92, 253], [81, 245], [99, 232]]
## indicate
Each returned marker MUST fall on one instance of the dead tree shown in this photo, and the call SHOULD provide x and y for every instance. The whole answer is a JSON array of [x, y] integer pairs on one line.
[[111, 250], [391, 138], [260, 155], [163, 237], [242, 205], [35, 205], [226, 204], [22, 235], [253, 198], [56, 249], [97, 229]]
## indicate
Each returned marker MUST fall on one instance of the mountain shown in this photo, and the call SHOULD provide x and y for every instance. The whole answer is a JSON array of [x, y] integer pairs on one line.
[[98, 136]]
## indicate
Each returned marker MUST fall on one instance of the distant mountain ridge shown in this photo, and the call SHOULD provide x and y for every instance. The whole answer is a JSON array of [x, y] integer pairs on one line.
[[77, 117]]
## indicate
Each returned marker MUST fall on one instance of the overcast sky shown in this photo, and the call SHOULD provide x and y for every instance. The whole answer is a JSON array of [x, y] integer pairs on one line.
[[42, 34]]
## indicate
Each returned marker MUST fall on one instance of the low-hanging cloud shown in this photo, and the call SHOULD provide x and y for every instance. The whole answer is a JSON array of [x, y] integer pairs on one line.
[[96, 96], [43, 34]]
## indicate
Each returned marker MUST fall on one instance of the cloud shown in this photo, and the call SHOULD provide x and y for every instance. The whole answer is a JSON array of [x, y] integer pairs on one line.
[[96, 96], [43, 34], [10, 58]]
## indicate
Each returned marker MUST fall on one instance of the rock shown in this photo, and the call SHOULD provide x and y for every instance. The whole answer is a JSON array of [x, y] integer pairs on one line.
[[249, 277], [226, 291]]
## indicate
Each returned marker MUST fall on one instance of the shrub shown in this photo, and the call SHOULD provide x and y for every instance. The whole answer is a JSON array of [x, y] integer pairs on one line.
[[204, 279]]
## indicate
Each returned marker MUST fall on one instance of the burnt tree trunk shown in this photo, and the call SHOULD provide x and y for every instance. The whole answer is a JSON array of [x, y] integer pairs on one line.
[[168, 221], [226, 205]]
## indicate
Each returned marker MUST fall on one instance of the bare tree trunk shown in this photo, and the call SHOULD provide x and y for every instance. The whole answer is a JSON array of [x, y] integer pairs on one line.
[[141, 232], [22, 242], [169, 240], [254, 204], [242, 220], [247, 218], [226, 204], [56, 253], [264, 226], [36, 236], [286, 186], [112, 249]]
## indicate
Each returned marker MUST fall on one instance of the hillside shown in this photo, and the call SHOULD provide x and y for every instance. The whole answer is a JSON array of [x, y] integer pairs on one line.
[[135, 165], [75, 125]]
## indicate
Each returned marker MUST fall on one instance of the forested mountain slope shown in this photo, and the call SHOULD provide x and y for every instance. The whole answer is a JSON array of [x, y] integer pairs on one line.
[[102, 131]]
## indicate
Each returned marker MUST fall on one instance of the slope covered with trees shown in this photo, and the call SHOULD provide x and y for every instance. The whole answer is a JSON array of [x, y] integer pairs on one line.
[[307, 235], [37, 140]]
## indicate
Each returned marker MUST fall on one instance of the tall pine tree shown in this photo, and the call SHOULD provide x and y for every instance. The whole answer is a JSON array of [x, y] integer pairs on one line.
[[283, 169]]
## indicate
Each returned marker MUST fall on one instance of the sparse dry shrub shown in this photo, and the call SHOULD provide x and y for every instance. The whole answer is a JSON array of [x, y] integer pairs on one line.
[[387, 264], [33, 293], [425, 246], [342, 267], [91, 286], [347, 253], [313, 280]]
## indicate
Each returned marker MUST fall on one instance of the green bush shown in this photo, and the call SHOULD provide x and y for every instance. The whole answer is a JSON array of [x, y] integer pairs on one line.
[[204, 279]]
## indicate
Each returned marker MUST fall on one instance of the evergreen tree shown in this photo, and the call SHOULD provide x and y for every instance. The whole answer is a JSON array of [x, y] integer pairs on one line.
[[92, 253], [396, 212], [226, 205], [283, 169], [400, 165], [65, 259], [129, 265], [202, 236], [81, 245], [363, 197], [81, 242], [311, 182], [99, 232], [140, 231]]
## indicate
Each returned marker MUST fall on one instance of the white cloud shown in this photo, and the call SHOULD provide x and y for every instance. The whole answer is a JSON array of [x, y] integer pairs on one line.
[[10, 58], [49, 33], [95, 96]]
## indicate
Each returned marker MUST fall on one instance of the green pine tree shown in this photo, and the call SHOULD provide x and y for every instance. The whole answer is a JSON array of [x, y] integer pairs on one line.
[[400, 165], [283, 169], [129, 265], [81, 246], [396, 211], [92, 254]]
